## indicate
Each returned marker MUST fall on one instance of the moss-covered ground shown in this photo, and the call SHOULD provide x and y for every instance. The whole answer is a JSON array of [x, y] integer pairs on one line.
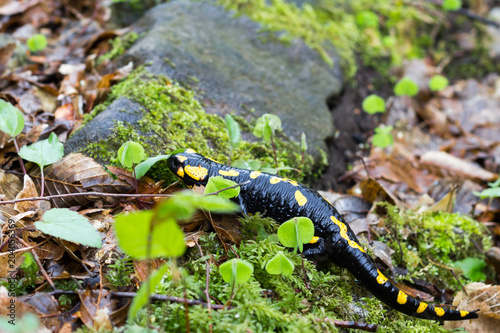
[[273, 303]]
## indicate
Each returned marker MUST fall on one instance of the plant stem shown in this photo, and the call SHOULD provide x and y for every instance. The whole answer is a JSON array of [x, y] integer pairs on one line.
[[42, 179], [274, 151], [19, 157]]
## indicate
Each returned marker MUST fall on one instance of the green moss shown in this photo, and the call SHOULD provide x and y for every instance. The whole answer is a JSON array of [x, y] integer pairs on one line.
[[433, 241], [175, 119], [270, 303], [118, 46]]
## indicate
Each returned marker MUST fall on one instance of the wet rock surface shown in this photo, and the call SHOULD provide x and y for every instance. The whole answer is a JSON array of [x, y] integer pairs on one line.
[[234, 67]]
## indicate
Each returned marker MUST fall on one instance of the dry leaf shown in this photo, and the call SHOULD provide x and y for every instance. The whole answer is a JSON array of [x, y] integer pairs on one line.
[[455, 166], [480, 296], [29, 191], [77, 173]]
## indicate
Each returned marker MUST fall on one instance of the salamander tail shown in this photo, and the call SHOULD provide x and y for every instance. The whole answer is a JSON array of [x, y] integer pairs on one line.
[[371, 278]]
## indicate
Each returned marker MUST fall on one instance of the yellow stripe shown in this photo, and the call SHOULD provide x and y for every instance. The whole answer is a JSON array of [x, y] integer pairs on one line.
[[464, 313], [439, 311], [343, 234], [314, 240], [197, 173], [381, 279], [301, 199], [275, 180], [402, 297], [230, 173], [254, 174], [421, 307]]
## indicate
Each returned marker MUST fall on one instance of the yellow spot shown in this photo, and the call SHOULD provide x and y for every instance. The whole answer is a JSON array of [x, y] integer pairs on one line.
[[180, 172], [254, 174], [230, 173], [439, 311], [197, 173], [190, 151], [181, 158], [275, 180], [381, 279], [293, 182], [464, 313], [314, 240], [402, 297], [421, 307], [343, 234], [301, 199]]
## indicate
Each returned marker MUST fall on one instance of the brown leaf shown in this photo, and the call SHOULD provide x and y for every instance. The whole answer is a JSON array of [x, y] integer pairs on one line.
[[29, 191], [10, 185], [373, 191], [7, 264], [77, 173], [95, 309], [483, 297], [49, 251], [6, 52], [455, 166]]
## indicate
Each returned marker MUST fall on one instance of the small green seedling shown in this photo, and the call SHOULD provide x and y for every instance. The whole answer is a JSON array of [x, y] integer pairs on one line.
[[12, 123], [383, 137], [367, 19], [155, 233], [492, 192], [406, 87], [11, 119], [130, 154], [236, 272], [143, 237], [142, 168], [146, 289], [303, 146], [472, 268], [234, 133], [296, 232], [451, 5], [43, 153], [373, 104], [218, 183], [37, 42], [69, 225], [266, 127], [280, 264], [438, 83]]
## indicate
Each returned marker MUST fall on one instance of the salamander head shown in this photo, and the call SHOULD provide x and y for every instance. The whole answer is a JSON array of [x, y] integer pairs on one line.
[[190, 167]]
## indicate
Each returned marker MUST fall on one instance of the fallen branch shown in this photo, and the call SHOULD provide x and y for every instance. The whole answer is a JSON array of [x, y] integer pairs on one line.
[[153, 297]]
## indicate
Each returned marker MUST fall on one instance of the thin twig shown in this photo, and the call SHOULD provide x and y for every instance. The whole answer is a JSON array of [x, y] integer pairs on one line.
[[95, 194], [228, 188], [39, 263], [456, 278], [21, 162]]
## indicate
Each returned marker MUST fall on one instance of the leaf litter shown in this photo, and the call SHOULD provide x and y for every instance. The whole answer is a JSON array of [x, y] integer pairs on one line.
[[455, 152]]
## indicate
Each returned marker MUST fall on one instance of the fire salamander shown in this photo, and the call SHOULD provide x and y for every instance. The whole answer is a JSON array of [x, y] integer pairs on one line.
[[282, 199]]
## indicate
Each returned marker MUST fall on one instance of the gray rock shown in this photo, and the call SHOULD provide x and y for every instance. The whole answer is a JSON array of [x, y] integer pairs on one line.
[[101, 127], [236, 67]]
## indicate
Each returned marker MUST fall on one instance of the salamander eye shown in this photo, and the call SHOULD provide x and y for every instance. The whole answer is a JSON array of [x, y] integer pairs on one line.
[[176, 164]]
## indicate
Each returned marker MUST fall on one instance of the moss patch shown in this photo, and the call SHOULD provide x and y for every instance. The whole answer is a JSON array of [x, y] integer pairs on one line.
[[175, 119], [118, 46], [270, 303], [432, 242]]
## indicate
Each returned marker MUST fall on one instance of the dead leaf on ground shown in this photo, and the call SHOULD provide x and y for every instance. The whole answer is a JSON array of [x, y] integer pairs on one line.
[[480, 296], [28, 191], [10, 185], [442, 161], [76, 173]]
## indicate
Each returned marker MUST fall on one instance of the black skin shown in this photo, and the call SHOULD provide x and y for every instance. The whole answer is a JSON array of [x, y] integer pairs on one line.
[[277, 197]]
